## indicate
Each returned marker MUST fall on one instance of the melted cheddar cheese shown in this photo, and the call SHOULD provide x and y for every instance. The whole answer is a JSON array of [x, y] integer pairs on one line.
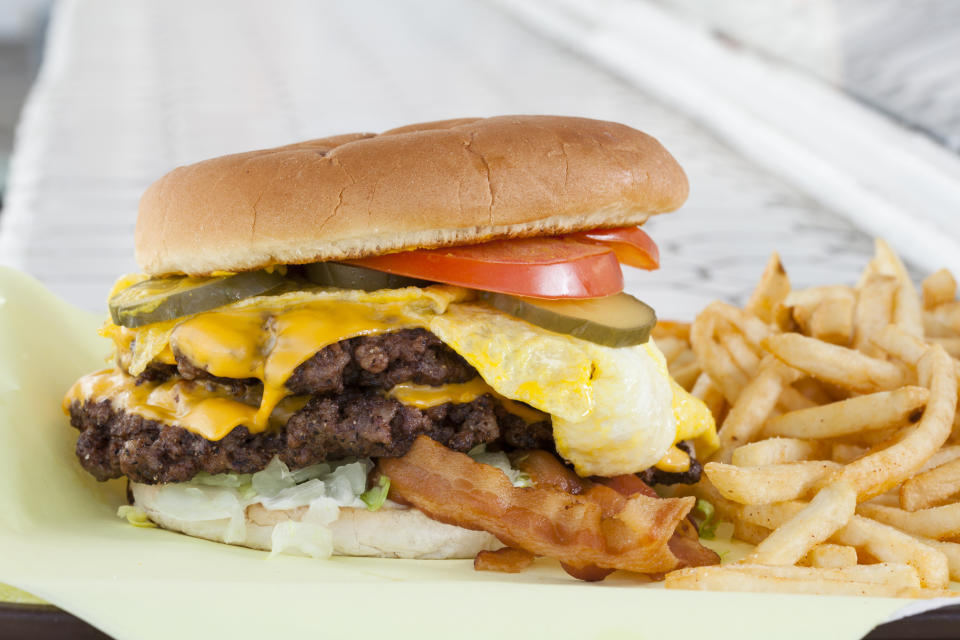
[[268, 337]]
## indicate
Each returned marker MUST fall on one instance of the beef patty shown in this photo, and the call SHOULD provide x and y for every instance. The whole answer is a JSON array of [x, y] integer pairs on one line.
[[377, 361], [346, 416], [114, 443]]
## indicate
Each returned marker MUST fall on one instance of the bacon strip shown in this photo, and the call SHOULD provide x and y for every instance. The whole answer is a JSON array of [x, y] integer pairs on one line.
[[450, 487], [506, 560]]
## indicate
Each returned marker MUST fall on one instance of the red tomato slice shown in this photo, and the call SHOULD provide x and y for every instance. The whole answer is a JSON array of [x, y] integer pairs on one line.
[[535, 267], [631, 244]]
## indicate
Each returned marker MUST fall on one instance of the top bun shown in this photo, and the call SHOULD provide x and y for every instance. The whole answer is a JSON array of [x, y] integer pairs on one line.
[[426, 185]]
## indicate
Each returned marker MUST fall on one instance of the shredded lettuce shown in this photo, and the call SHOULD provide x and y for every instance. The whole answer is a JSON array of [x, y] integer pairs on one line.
[[301, 539], [708, 526], [376, 496], [323, 511], [500, 460], [135, 516], [299, 495]]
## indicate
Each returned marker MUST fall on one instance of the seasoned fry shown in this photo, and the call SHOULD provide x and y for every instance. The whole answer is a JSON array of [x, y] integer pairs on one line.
[[845, 453], [671, 347], [880, 580], [874, 311], [881, 410], [901, 345], [772, 289], [753, 407], [949, 549], [939, 523], [882, 541], [705, 389], [751, 328], [843, 395], [768, 483], [833, 320], [838, 365], [939, 288], [878, 472], [907, 310], [776, 451], [739, 348], [686, 375], [714, 359], [942, 321], [943, 456], [950, 345], [830, 556], [830, 510], [672, 328], [931, 487]]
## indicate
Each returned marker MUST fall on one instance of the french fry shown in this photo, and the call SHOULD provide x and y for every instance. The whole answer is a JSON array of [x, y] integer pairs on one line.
[[740, 350], [907, 310], [939, 288], [673, 328], [878, 472], [881, 410], [880, 580], [943, 456], [750, 327], [863, 376], [888, 544], [768, 483], [753, 407], [950, 345], [714, 359], [817, 392], [705, 389], [939, 523], [951, 550], [882, 541], [942, 321], [686, 375], [833, 321], [845, 453], [838, 365], [771, 291], [874, 311], [830, 556], [671, 347], [906, 348], [776, 451], [931, 487], [830, 510]]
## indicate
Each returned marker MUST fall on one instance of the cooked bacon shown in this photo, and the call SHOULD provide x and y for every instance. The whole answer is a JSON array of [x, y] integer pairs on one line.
[[628, 485], [507, 560], [546, 471], [450, 487]]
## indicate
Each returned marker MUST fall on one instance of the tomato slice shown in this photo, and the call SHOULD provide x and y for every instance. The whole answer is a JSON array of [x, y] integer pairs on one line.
[[534, 267], [631, 244]]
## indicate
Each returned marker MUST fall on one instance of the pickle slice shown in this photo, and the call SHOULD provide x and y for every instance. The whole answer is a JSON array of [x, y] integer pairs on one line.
[[160, 299], [347, 276], [619, 320]]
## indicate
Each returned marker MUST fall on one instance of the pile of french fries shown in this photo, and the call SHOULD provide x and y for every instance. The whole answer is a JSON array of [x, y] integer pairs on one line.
[[839, 448]]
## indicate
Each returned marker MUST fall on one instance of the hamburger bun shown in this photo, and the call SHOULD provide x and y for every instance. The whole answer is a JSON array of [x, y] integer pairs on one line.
[[427, 185], [389, 532]]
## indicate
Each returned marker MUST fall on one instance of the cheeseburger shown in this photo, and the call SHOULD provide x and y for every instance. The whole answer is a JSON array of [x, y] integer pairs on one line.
[[410, 344]]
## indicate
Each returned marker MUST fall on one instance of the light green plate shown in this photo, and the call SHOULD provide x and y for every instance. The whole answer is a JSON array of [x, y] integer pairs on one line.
[[60, 539]]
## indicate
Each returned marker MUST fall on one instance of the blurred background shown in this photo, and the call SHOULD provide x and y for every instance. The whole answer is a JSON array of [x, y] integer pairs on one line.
[[806, 126]]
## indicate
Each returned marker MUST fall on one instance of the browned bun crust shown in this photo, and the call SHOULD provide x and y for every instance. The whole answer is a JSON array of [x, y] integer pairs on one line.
[[426, 185]]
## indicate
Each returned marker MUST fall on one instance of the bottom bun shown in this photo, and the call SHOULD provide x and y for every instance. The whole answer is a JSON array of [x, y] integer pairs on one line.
[[396, 532]]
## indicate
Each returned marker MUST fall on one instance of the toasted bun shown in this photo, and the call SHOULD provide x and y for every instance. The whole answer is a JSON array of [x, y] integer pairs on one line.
[[421, 186], [386, 533]]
